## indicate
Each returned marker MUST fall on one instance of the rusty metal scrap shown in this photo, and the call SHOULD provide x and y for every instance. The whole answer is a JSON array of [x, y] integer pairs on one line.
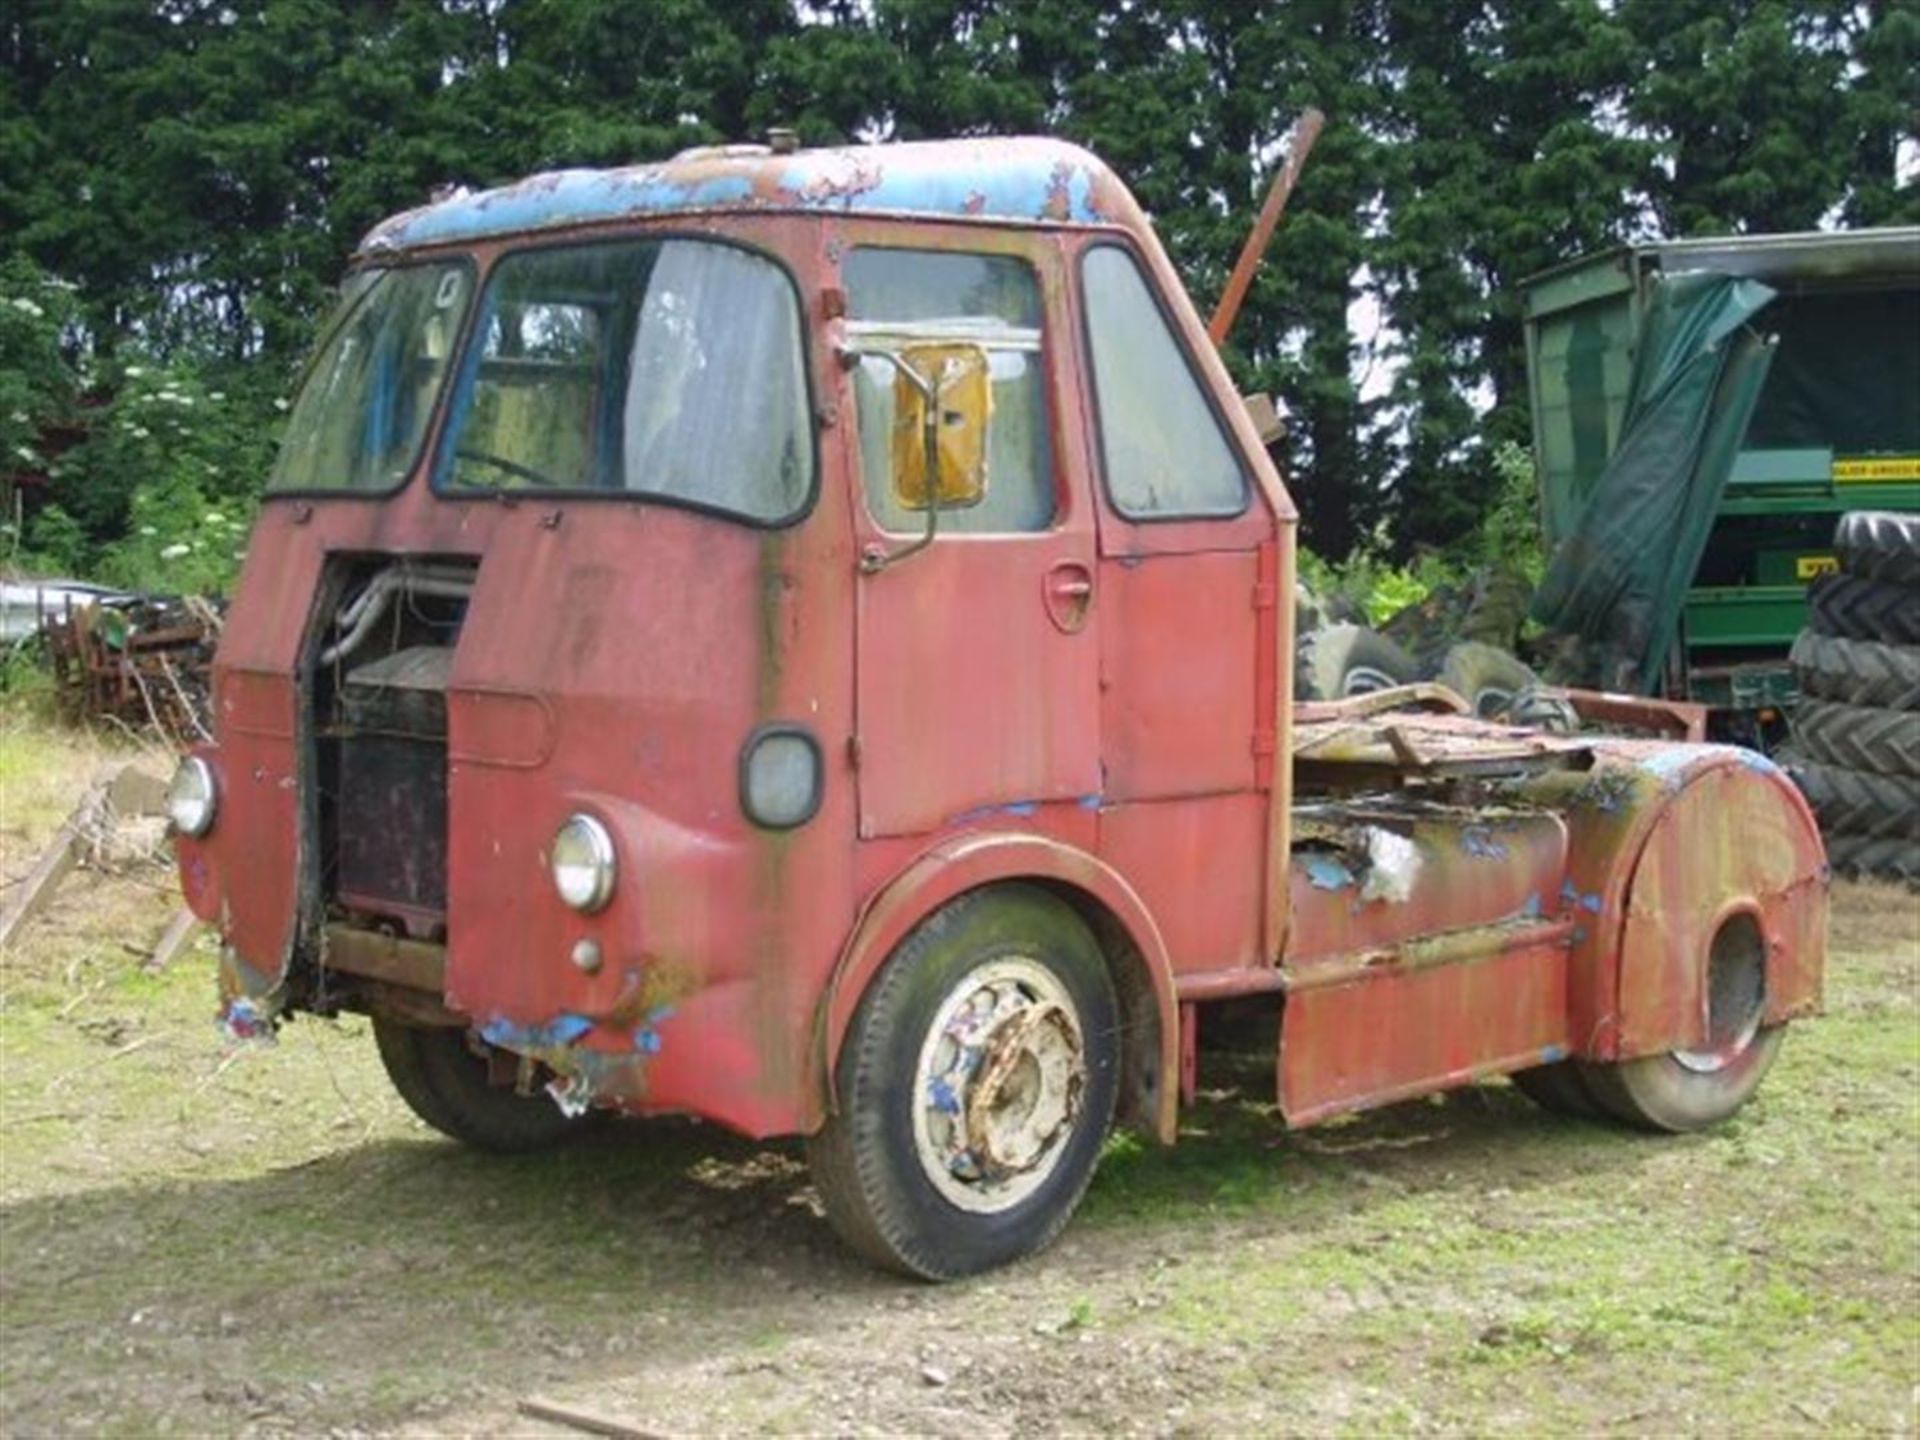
[[146, 663]]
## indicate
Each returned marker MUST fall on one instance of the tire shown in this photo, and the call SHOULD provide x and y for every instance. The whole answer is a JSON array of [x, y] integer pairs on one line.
[[1559, 1089], [1858, 737], [1850, 608], [1862, 857], [1540, 707], [1486, 677], [1342, 660], [1861, 672], [904, 1176], [1879, 545], [1682, 1091], [1858, 802], [446, 1084]]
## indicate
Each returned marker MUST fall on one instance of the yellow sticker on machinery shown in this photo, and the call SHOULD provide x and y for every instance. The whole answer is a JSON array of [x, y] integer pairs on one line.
[[1880, 467], [1806, 567]]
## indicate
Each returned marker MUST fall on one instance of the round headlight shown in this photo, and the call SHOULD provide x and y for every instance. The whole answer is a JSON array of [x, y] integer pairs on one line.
[[780, 777], [583, 863], [190, 798]]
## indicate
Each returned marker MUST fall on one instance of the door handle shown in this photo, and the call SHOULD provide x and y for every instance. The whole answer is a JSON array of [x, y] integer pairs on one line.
[[1068, 591]]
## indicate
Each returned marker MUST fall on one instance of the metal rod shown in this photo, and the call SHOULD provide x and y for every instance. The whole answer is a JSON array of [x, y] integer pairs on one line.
[[1299, 142]]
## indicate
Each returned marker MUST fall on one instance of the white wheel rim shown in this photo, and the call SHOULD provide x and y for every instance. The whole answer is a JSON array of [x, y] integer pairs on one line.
[[1000, 1082], [1365, 680]]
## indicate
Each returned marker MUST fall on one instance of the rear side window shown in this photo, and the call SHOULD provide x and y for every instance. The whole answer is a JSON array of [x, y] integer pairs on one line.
[[895, 297], [1166, 455], [666, 369]]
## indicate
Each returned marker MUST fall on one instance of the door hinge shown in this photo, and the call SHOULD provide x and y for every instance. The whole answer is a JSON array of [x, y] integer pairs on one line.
[[853, 752], [1263, 742], [1265, 595]]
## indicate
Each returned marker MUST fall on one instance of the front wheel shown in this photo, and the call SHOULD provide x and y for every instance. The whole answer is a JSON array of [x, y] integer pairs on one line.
[[1686, 1090], [451, 1087], [974, 1088]]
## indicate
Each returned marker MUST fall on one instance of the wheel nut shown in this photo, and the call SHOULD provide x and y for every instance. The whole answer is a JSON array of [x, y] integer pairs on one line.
[[586, 955]]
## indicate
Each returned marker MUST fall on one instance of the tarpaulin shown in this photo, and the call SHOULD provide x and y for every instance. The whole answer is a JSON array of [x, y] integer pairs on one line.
[[1618, 579]]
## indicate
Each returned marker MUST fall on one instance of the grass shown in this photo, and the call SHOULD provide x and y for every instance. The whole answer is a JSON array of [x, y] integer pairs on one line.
[[200, 1240]]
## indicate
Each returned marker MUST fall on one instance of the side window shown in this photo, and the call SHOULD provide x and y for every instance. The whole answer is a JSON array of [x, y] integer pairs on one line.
[[895, 297], [1166, 456]]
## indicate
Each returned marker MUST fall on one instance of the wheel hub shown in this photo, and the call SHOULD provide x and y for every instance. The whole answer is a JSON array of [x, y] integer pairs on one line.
[[1001, 1078]]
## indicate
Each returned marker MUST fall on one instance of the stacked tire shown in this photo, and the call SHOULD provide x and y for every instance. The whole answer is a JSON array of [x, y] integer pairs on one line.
[[1856, 730]]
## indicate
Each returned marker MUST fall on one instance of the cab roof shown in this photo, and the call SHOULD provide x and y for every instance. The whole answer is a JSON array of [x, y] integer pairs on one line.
[[1023, 180]]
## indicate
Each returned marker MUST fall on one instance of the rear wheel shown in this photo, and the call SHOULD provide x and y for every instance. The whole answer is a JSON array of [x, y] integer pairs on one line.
[[1691, 1089], [1558, 1088], [1880, 545], [450, 1086], [974, 1088]]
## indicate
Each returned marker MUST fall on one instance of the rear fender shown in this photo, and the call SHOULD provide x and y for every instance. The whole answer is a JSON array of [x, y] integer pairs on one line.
[[1733, 837], [1143, 974]]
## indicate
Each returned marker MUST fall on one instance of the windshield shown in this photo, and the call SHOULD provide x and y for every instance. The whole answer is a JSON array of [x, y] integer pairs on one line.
[[664, 368], [363, 411]]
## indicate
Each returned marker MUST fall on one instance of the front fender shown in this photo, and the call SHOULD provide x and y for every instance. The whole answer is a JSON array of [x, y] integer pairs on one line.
[[966, 863]]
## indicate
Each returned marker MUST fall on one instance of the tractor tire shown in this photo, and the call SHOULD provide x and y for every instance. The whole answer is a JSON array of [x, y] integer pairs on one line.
[[1849, 608], [1879, 545], [974, 1088], [1486, 677], [1860, 672], [1858, 737], [1858, 802], [1343, 660], [1862, 858], [446, 1084]]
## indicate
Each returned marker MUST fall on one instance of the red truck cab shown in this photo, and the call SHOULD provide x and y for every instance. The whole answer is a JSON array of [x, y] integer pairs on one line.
[[803, 639]]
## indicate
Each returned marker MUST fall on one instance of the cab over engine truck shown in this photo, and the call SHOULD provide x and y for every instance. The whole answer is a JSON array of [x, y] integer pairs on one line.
[[802, 639]]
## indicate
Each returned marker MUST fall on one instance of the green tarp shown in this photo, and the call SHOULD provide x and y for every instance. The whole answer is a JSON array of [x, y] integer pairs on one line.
[[1619, 578]]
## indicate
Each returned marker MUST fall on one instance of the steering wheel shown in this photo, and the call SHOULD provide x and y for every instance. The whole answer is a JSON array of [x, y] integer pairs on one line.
[[511, 467]]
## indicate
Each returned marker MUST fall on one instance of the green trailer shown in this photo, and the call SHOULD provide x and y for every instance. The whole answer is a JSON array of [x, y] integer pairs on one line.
[[1703, 410]]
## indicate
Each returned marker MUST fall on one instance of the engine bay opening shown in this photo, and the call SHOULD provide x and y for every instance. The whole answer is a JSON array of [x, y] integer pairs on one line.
[[383, 654]]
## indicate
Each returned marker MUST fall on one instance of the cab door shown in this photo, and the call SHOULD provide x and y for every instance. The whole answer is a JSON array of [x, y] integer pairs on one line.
[[977, 689]]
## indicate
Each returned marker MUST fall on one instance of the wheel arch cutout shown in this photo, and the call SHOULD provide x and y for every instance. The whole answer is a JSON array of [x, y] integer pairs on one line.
[[1128, 938]]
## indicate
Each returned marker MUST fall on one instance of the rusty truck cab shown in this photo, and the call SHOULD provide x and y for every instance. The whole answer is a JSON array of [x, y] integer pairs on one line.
[[803, 640]]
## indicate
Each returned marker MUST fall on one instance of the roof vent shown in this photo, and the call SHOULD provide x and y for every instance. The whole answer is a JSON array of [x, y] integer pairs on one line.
[[783, 141]]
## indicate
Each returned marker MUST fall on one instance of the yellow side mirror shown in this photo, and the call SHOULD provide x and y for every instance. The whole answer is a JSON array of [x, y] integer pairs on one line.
[[942, 401]]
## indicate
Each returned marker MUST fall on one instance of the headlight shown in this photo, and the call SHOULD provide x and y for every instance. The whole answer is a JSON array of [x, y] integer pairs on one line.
[[583, 863], [780, 777], [190, 797]]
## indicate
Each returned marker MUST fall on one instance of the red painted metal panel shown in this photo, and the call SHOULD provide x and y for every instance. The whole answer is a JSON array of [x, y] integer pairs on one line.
[[970, 698], [1178, 710], [1372, 1041], [1197, 865]]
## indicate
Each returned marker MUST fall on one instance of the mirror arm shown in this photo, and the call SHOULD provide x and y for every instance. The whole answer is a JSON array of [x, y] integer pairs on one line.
[[874, 561]]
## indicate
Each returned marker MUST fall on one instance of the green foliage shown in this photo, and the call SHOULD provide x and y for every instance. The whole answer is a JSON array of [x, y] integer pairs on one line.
[[201, 172]]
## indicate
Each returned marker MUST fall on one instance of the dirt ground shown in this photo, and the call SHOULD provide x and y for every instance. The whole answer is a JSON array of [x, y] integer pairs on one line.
[[200, 1240]]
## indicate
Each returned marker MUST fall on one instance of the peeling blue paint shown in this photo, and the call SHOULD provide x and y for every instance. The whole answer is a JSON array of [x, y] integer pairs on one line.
[[1534, 908], [1020, 808], [940, 1095], [1590, 902], [1326, 873], [1478, 841], [241, 1021], [1002, 179], [560, 1031], [1553, 1054], [1090, 802]]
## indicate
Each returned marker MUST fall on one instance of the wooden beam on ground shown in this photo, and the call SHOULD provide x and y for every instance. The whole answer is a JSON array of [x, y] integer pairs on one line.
[[173, 940], [585, 1421], [128, 791]]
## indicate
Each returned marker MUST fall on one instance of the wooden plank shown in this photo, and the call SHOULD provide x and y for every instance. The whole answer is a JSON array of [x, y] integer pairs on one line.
[[60, 856], [585, 1421], [173, 940]]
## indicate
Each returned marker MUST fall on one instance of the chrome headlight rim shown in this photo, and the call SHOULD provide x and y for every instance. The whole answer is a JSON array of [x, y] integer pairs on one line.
[[598, 863], [192, 797], [755, 742]]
